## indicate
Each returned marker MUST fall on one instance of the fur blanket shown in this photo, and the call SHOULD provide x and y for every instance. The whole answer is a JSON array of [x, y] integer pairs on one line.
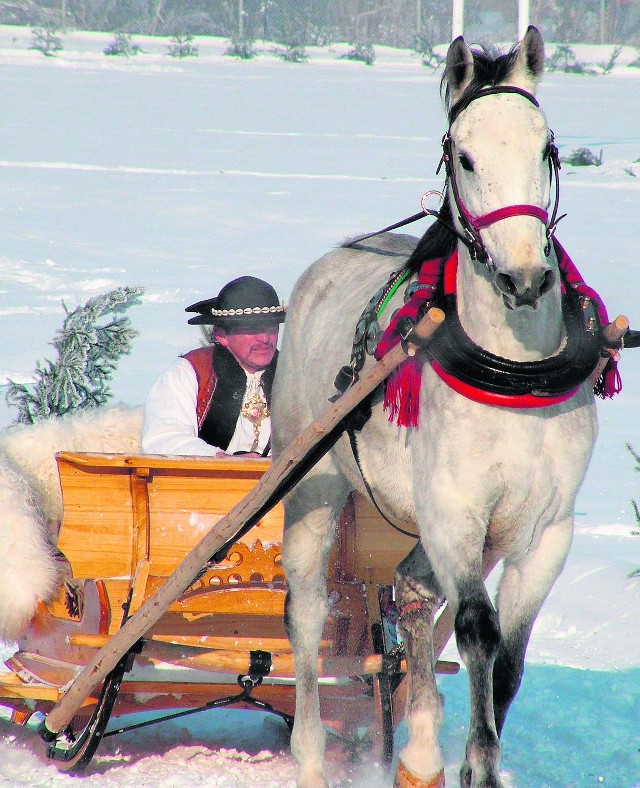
[[31, 502]]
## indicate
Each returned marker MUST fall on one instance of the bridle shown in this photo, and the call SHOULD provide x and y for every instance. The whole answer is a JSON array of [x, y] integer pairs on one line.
[[472, 225]]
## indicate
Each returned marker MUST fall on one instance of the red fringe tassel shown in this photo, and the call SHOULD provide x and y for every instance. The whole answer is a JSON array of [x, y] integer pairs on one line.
[[402, 393], [609, 383]]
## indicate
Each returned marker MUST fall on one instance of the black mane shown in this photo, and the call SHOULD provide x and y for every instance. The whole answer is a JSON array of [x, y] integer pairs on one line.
[[488, 71]]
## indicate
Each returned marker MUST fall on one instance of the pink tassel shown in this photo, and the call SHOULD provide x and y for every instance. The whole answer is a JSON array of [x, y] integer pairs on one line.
[[402, 393], [610, 382]]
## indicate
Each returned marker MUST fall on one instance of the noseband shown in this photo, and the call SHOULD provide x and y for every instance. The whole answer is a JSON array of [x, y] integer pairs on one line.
[[471, 225]]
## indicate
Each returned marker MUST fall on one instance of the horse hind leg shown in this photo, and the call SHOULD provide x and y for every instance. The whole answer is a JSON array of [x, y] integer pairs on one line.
[[418, 598], [310, 523]]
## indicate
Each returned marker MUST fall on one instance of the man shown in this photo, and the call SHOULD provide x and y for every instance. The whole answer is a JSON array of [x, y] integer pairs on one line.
[[215, 400]]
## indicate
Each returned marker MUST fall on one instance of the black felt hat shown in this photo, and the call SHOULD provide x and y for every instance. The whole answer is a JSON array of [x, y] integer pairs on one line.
[[246, 301]]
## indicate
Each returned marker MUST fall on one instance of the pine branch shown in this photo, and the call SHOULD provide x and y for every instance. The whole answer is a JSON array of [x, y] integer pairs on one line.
[[88, 352]]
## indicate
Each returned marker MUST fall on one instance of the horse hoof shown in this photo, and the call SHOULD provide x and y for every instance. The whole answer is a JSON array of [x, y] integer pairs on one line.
[[406, 779]]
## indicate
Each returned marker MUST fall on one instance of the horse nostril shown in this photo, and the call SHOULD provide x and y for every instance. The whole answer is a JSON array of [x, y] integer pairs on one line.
[[525, 289], [548, 281], [505, 284]]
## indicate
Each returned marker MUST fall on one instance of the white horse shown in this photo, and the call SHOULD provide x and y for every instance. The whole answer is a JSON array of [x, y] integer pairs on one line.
[[471, 475]]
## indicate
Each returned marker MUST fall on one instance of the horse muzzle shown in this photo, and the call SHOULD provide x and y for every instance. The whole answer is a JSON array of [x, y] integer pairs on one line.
[[524, 288]]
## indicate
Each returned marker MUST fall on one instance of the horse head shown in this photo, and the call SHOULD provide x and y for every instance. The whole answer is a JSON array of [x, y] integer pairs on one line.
[[499, 153]]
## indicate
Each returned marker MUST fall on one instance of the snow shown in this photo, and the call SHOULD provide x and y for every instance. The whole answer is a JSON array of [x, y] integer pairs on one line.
[[179, 175]]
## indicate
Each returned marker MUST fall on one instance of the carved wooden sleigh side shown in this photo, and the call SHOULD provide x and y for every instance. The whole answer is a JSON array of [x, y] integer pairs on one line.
[[128, 522]]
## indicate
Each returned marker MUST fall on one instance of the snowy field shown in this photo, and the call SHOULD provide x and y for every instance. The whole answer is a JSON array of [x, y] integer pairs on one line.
[[179, 175]]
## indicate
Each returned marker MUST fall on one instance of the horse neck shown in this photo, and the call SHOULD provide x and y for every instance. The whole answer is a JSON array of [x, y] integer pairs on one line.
[[520, 335]]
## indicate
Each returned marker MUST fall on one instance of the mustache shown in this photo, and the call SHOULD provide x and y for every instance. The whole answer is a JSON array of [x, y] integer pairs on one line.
[[263, 346]]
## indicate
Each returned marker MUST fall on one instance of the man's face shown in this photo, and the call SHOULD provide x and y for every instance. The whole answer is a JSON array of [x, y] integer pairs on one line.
[[253, 348]]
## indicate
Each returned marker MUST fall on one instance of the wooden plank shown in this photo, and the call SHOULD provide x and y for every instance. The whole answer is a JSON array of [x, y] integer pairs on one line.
[[97, 529], [118, 509], [228, 643], [141, 524], [193, 465], [184, 508], [30, 692]]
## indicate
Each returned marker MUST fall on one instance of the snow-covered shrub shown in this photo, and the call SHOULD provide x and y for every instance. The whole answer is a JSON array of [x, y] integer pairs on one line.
[[88, 352], [46, 41], [365, 53], [182, 46], [582, 157], [244, 48], [122, 46]]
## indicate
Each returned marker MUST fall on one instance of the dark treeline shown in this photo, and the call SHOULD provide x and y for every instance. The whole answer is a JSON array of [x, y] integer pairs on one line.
[[399, 23]]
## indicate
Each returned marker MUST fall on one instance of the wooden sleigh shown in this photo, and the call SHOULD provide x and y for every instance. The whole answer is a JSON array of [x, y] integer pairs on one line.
[[128, 522]]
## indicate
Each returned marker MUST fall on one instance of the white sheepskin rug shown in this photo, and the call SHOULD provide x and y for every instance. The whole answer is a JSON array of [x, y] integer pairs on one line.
[[31, 502]]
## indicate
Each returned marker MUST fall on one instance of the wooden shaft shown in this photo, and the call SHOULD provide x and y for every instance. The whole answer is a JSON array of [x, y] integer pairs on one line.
[[612, 333], [226, 528], [239, 662]]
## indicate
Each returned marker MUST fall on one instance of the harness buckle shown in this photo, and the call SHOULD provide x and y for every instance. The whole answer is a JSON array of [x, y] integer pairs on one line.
[[404, 327]]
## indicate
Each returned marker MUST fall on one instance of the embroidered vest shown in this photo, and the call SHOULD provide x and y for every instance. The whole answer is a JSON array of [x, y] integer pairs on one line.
[[221, 386]]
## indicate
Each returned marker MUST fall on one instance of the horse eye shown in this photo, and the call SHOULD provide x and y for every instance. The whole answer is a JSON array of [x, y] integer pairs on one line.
[[465, 162]]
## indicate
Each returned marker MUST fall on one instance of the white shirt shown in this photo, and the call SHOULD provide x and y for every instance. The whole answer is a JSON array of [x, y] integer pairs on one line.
[[170, 425]]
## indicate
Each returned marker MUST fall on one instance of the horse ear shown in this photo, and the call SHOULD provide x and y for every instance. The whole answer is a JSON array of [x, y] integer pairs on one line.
[[529, 64], [458, 69]]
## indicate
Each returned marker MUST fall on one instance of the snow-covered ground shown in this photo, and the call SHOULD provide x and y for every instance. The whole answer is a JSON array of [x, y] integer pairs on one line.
[[177, 176]]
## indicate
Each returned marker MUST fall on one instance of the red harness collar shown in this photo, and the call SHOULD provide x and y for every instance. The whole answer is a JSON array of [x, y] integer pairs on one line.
[[500, 400], [402, 388]]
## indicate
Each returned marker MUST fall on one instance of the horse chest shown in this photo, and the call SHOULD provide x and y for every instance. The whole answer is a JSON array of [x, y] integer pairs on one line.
[[507, 466]]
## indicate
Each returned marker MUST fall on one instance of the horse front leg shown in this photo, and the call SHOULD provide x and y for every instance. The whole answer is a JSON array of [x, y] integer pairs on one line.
[[308, 536], [523, 588], [418, 598], [478, 638], [456, 552]]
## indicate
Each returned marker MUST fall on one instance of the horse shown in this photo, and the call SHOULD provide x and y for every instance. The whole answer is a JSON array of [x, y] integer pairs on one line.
[[471, 474]]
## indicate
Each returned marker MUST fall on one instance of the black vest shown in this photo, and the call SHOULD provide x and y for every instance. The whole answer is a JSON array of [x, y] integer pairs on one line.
[[220, 422]]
